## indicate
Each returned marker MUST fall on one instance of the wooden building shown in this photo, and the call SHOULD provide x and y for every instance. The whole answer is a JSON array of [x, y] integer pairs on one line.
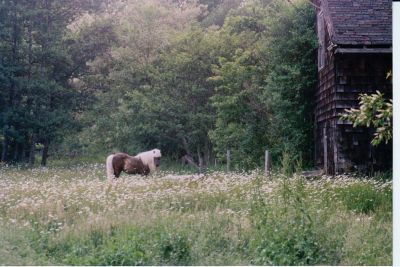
[[354, 56]]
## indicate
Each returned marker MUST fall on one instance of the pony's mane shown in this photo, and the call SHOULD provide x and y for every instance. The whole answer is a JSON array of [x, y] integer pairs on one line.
[[147, 158]]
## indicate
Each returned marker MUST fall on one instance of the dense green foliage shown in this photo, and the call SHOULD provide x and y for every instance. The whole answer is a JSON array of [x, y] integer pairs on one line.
[[265, 88], [40, 56], [188, 77]]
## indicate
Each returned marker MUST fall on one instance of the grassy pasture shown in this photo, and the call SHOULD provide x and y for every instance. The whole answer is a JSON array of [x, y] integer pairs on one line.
[[73, 216]]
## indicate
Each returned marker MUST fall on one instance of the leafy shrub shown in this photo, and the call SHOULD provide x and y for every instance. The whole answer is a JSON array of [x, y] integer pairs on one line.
[[375, 111], [127, 254], [125, 245], [291, 245], [286, 236], [174, 249]]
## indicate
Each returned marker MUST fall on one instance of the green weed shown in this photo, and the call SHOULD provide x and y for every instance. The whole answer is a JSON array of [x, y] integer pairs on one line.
[[365, 197]]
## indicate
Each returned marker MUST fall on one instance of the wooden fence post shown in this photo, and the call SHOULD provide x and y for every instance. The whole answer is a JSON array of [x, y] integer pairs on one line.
[[267, 166], [228, 160], [325, 140]]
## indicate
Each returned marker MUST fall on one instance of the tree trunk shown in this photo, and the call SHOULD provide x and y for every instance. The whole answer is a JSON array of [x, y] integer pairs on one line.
[[201, 161], [29, 154], [14, 50], [45, 45], [30, 49], [4, 149], [207, 153], [32, 151], [11, 89], [16, 152], [45, 152], [186, 146]]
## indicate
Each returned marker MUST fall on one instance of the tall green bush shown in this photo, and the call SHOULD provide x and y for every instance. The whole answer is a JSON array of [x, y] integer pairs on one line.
[[265, 90]]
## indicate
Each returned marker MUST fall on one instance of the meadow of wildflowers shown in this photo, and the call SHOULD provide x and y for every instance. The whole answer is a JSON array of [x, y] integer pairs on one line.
[[73, 216]]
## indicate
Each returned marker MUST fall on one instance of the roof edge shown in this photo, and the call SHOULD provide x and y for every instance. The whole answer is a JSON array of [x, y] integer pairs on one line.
[[370, 50], [324, 7]]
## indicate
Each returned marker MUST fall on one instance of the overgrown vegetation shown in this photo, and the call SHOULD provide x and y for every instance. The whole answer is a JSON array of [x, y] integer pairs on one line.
[[188, 77], [54, 216]]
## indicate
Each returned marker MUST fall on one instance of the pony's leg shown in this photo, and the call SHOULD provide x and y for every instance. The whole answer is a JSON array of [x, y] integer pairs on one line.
[[111, 179], [114, 177], [117, 173]]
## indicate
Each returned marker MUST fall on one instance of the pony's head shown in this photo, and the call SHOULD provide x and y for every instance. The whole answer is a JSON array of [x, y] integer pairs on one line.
[[151, 158], [156, 157]]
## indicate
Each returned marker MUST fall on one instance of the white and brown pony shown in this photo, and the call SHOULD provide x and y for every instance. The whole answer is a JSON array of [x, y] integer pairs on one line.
[[143, 163]]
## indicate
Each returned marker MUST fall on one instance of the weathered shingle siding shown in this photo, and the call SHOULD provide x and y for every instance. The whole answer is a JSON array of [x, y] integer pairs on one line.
[[352, 25], [360, 73], [325, 108], [356, 74], [340, 83]]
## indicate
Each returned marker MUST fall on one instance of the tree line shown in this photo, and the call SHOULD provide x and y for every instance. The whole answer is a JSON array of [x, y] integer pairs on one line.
[[39, 56], [188, 77]]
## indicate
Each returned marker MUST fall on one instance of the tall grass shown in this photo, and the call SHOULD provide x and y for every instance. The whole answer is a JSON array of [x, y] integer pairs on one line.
[[73, 216]]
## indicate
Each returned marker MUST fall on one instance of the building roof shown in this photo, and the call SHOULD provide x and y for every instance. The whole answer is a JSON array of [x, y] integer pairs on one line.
[[359, 22]]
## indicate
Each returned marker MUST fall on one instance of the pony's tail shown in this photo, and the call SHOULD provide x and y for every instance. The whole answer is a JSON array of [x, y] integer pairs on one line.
[[109, 167]]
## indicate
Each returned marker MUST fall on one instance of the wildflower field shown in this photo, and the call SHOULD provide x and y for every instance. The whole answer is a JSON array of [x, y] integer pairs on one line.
[[73, 216]]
